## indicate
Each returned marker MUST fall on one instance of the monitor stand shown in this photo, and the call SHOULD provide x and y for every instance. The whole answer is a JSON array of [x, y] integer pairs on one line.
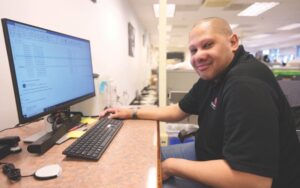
[[49, 139], [38, 135], [35, 136]]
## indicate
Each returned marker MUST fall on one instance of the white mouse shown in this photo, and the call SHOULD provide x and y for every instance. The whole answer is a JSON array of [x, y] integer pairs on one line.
[[48, 172]]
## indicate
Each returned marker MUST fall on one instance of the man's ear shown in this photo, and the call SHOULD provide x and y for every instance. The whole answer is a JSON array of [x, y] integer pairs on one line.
[[234, 41]]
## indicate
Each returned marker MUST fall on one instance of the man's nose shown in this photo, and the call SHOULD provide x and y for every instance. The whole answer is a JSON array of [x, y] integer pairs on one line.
[[199, 57]]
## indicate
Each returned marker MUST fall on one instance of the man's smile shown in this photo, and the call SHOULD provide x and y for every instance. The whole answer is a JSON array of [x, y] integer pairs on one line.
[[202, 66]]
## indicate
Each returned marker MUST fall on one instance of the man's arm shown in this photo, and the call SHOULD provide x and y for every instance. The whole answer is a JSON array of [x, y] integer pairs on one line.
[[215, 173], [170, 113]]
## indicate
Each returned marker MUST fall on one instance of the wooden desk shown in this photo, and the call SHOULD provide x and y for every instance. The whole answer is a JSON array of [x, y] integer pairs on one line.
[[131, 160]]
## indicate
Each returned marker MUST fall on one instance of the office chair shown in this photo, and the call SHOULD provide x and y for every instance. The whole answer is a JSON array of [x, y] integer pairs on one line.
[[183, 134]]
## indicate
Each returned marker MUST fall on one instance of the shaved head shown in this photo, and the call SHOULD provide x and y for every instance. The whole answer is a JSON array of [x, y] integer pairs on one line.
[[215, 25], [212, 45]]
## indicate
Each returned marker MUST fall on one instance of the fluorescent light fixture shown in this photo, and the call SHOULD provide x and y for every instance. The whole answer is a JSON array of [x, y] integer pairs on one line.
[[232, 26], [289, 27], [294, 36], [260, 36], [258, 8], [170, 10]]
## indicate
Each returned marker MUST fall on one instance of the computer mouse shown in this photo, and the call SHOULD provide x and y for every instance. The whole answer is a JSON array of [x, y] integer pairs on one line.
[[48, 172]]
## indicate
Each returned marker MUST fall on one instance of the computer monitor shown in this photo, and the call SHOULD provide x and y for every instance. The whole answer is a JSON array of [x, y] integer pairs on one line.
[[50, 70]]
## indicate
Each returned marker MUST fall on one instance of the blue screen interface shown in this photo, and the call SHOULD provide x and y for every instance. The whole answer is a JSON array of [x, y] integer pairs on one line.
[[50, 68]]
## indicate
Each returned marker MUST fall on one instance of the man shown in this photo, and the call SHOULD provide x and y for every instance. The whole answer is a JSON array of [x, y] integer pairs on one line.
[[246, 135]]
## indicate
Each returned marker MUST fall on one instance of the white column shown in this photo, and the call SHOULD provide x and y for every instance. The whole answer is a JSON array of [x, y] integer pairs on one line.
[[162, 81], [162, 78]]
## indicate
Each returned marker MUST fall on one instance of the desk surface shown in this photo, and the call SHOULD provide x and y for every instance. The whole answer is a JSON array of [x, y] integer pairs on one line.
[[131, 160]]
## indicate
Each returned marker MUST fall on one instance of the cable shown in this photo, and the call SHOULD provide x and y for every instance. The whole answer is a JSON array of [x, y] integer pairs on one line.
[[12, 172], [16, 126], [25, 176], [20, 125], [8, 129]]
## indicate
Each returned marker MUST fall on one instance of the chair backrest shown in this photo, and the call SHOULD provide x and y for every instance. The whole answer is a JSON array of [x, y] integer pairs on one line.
[[291, 89]]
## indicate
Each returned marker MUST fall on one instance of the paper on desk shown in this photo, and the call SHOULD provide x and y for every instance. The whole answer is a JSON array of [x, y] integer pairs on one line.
[[75, 134], [79, 132], [88, 120], [62, 139]]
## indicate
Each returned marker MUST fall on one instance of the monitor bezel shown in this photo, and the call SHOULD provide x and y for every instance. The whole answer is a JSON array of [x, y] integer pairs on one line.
[[59, 107]]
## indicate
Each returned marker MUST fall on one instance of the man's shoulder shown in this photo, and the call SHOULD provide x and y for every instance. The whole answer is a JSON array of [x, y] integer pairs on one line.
[[253, 76], [249, 65], [252, 69]]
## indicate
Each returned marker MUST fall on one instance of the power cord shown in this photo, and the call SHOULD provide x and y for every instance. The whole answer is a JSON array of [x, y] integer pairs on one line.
[[56, 119], [20, 125], [13, 173]]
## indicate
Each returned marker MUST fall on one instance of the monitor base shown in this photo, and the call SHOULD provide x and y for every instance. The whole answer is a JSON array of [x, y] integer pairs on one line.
[[47, 128], [50, 138], [35, 136]]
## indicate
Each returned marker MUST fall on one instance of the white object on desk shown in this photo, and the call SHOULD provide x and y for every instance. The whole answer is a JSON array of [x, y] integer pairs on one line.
[[48, 172]]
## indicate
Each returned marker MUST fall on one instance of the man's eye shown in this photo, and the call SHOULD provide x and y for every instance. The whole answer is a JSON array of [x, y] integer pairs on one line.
[[207, 45], [193, 51]]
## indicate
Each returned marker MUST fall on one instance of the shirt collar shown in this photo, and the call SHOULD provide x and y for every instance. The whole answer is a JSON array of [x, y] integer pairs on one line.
[[234, 61]]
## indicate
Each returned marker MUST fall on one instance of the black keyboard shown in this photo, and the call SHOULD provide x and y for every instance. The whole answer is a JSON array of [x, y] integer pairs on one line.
[[94, 142]]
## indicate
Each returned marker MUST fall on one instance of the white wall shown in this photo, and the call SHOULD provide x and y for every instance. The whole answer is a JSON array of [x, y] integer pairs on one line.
[[103, 23]]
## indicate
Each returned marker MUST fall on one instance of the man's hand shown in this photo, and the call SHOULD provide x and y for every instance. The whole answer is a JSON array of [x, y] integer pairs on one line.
[[120, 113], [166, 168]]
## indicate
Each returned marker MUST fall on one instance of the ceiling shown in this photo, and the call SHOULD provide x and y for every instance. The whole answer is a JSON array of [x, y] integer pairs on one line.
[[188, 12]]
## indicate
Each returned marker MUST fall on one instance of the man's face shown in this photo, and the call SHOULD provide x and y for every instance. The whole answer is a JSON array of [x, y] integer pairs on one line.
[[211, 52]]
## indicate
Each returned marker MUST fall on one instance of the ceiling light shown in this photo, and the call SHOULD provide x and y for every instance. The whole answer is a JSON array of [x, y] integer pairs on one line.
[[257, 8], [289, 27], [170, 10], [294, 36], [232, 26], [260, 36]]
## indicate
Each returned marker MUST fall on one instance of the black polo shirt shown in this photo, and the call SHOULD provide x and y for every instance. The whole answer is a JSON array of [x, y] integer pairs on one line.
[[245, 119]]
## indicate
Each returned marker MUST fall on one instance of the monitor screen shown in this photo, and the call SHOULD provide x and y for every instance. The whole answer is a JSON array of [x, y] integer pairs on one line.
[[50, 71]]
